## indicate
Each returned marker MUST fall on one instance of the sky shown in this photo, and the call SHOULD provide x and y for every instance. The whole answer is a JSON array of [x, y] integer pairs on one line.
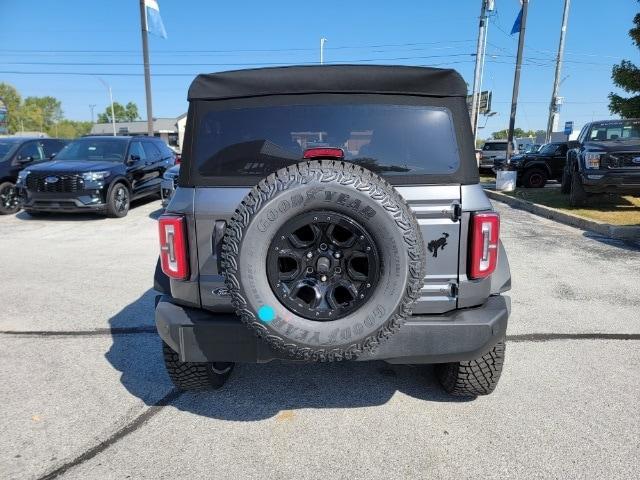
[[64, 48]]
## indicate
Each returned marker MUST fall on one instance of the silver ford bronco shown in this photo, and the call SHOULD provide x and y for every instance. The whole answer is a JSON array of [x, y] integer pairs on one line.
[[329, 213]]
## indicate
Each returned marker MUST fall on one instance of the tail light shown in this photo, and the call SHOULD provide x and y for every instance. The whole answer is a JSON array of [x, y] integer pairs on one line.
[[485, 231], [323, 152], [178, 159], [173, 246]]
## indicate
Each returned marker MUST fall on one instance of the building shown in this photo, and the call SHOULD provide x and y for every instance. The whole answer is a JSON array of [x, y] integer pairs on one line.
[[171, 130]]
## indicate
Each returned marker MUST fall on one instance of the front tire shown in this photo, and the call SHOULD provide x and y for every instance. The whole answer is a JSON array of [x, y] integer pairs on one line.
[[577, 195], [118, 201], [192, 375], [9, 201], [474, 377]]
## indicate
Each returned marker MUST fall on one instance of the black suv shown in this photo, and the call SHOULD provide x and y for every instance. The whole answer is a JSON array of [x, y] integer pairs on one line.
[[604, 159], [101, 174], [331, 213], [535, 168], [16, 153]]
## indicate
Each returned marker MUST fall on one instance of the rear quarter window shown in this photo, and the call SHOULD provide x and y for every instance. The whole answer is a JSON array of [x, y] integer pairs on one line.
[[246, 143]]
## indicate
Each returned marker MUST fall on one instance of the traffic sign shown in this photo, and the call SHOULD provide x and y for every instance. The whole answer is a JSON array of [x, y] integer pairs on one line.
[[568, 128]]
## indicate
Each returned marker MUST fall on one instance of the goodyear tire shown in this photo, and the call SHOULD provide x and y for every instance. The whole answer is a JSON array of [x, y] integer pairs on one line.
[[343, 236]]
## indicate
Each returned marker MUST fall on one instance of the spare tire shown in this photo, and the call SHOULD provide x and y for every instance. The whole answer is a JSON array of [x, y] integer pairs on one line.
[[323, 260]]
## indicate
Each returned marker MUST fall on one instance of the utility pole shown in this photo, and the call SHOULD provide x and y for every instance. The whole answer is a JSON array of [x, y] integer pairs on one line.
[[487, 5], [516, 79], [91, 107], [553, 107], [147, 71], [322, 41]]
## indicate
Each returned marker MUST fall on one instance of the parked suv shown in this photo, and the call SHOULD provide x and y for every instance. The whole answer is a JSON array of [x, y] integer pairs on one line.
[[534, 169], [96, 174], [604, 159], [331, 213], [16, 153]]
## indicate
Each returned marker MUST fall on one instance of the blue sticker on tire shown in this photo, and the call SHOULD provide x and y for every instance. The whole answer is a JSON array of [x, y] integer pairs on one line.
[[266, 313]]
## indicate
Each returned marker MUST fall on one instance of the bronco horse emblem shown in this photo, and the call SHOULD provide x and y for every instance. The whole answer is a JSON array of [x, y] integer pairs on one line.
[[440, 243]]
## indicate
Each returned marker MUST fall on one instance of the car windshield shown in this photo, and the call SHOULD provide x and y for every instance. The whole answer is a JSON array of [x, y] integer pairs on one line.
[[388, 139], [493, 146], [548, 149], [94, 149], [7, 148], [622, 130]]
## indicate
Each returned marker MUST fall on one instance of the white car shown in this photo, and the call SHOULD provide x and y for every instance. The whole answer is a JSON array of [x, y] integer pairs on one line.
[[495, 150]]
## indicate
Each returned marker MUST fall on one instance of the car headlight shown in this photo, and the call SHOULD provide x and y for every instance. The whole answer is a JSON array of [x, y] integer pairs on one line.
[[95, 176], [592, 159], [22, 175]]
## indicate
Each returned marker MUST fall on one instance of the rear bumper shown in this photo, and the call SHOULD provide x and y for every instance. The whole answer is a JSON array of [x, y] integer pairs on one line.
[[202, 336], [611, 182]]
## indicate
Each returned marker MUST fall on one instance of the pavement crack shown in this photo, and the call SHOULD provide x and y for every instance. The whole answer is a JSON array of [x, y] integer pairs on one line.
[[131, 427], [547, 337]]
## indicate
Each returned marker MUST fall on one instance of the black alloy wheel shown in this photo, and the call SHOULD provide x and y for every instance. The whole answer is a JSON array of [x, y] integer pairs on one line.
[[9, 200], [119, 201], [323, 265]]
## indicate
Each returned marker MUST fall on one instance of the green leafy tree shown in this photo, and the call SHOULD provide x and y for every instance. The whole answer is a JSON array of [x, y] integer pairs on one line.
[[517, 133], [69, 129], [12, 100], [626, 75], [122, 113], [46, 110]]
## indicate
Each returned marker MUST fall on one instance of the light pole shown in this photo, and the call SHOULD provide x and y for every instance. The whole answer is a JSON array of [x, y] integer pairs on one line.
[[553, 106], [91, 107], [322, 41], [113, 115]]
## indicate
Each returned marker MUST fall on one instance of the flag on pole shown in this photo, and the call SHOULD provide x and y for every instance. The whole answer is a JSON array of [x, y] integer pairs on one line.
[[517, 24], [154, 20]]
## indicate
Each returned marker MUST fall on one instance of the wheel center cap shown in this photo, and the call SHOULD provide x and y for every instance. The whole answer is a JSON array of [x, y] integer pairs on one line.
[[323, 264]]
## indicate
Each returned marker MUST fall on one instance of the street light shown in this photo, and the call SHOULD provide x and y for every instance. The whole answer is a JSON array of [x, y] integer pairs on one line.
[[113, 115], [322, 41]]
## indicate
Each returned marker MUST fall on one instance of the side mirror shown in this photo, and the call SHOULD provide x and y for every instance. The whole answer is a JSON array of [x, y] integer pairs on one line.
[[52, 156], [133, 159]]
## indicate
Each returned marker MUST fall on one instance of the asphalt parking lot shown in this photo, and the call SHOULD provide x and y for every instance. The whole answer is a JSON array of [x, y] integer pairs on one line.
[[84, 393]]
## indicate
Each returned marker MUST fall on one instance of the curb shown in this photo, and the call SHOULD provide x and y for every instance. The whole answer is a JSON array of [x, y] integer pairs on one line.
[[612, 231]]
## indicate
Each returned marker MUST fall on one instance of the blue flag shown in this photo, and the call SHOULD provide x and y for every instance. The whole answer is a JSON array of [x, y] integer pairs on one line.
[[154, 20], [517, 24]]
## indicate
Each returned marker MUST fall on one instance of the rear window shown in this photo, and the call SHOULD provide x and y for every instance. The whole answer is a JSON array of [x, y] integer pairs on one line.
[[495, 147], [249, 143]]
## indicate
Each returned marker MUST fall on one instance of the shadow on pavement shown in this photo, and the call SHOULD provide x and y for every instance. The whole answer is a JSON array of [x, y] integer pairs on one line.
[[260, 391], [632, 245]]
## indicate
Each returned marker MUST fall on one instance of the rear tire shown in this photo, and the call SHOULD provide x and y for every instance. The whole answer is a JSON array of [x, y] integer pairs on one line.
[[192, 375], [118, 201], [534, 178], [565, 183], [577, 195], [474, 377]]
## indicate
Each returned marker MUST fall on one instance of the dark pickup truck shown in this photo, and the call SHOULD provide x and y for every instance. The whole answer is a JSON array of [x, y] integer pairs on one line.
[[604, 159], [534, 169]]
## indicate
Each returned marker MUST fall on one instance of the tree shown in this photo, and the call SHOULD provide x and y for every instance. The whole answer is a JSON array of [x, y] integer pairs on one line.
[[517, 133], [70, 129], [46, 110], [12, 100], [626, 75], [123, 113]]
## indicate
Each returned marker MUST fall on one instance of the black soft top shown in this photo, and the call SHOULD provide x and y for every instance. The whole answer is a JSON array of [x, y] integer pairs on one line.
[[382, 79]]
